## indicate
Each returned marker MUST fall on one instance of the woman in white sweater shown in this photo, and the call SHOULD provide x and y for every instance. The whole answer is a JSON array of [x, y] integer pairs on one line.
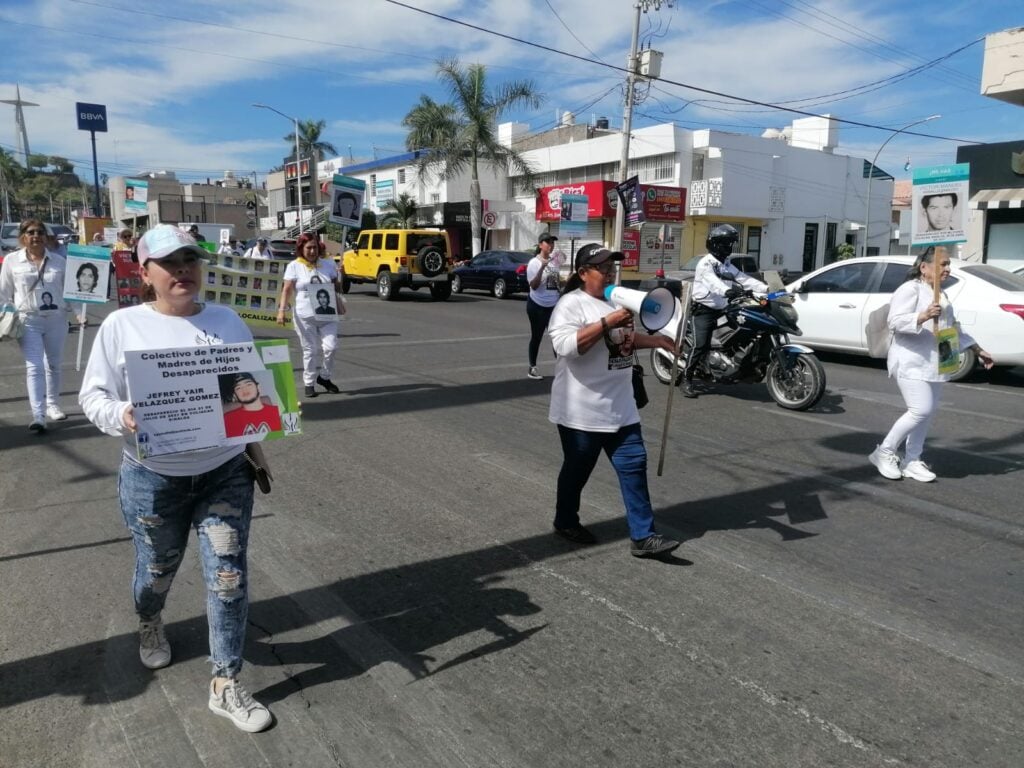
[[914, 361], [164, 497]]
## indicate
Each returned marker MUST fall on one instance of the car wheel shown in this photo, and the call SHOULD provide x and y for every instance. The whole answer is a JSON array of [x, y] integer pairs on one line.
[[440, 291], [386, 288], [456, 284], [968, 360], [346, 285], [500, 289], [430, 261]]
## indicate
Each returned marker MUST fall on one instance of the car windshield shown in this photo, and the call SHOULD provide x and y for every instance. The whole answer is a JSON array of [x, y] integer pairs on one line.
[[9, 230], [1000, 278], [59, 229]]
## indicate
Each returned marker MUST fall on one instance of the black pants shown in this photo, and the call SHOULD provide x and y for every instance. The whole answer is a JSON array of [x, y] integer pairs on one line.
[[539, 317], [704, 320]]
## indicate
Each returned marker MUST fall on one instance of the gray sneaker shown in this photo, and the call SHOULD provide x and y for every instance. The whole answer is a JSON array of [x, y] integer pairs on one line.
[[653, 546], [236, 704], [154, 650]]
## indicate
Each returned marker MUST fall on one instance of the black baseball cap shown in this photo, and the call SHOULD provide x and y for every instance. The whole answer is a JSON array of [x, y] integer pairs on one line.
[[240, 377], [547, 237], [593, 253]]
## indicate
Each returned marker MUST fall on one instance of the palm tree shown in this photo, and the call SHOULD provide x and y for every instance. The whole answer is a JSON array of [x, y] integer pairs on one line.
[[458, 135], [312, 147], [401, 213]]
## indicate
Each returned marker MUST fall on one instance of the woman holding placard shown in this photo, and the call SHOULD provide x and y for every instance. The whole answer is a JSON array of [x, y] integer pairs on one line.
[[921, 321], [306, 277], [163, 497], [32, 281]]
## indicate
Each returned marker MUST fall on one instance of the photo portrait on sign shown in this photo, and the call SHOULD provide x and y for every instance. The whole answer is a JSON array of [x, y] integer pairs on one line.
[[939, 204], [136, 194], [250, 405], [86, 280], [346, 207]]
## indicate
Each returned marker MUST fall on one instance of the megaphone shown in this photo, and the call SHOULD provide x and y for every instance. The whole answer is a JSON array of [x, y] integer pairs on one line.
[[655, 308]]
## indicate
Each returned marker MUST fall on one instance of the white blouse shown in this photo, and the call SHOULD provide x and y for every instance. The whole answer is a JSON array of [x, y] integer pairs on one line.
[[914, 352]]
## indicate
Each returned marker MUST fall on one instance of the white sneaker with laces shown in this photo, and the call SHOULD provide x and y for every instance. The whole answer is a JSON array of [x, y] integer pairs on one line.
[[887, 463], [533, 374], [236, 704], [154, 650], [54, 413], [918, 470]]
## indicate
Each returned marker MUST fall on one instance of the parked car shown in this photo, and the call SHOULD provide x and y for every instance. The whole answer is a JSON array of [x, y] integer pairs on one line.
[[283, 248], [400, 258], [834, 303], [742, 261], [9, 236], [499, 272]]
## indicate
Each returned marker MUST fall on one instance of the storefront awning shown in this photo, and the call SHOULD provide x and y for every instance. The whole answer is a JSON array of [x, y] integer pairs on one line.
[[998, 198]]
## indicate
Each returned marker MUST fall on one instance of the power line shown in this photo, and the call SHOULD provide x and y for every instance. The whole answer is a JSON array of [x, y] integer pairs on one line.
[[687, 86]]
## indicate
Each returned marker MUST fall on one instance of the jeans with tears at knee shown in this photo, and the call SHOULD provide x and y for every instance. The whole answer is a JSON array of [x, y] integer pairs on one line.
[[160, 510]]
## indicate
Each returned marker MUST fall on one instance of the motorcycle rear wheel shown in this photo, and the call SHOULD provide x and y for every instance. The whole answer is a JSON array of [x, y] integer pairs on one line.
[[661, 365], [798, 387]]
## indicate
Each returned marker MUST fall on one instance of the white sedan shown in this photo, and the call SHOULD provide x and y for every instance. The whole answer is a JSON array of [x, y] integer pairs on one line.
[[834, 303]]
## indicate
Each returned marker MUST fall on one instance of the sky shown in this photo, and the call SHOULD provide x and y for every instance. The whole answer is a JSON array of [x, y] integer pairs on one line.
[[179, 79]]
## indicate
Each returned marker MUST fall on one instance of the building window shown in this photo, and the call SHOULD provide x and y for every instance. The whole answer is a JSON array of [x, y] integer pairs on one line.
[[435, 198], [401, 175], [373, 184]]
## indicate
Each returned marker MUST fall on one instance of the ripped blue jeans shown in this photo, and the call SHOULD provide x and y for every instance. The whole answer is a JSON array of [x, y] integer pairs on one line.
[[160, 510]]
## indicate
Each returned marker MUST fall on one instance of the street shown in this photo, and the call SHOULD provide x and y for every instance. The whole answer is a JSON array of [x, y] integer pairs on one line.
[[411, 607]]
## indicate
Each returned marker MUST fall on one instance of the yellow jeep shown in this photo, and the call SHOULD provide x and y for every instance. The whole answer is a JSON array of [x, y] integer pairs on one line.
[[397, 258]]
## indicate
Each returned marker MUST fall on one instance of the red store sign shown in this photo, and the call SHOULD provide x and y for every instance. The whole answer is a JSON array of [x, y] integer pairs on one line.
[[661, 204]]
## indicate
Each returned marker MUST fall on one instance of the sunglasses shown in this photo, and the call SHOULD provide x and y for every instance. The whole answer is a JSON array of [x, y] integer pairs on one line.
[[39, 232]]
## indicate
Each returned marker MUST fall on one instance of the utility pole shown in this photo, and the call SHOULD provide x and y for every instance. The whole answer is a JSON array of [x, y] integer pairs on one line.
[[627, 116]]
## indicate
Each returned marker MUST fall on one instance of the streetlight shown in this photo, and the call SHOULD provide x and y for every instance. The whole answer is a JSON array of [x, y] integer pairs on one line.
[[871, 175], [298, 174]]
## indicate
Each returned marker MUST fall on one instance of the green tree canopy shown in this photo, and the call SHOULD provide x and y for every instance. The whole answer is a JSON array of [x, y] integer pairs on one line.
[[457, 136], [400, 213]]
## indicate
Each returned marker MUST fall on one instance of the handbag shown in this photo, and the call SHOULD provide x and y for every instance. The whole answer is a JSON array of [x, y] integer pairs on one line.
[[639, 390], [261, 469], [879, 337]]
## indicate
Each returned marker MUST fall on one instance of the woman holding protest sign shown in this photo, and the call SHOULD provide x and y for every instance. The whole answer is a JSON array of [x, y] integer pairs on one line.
[[305, 277], [918, 308], [32, 282], [163, 497]]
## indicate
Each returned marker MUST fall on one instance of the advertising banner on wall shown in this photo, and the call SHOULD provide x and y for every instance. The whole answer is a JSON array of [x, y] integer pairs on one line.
[[939, 204]]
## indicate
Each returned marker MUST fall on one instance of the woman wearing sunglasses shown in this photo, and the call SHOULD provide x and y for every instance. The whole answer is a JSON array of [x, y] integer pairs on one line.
[[27, 276]]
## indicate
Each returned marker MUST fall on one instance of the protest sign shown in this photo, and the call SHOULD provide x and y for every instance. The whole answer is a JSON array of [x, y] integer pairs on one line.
[[630, 194], [136, 194], [939, 204], [347, 201], [87, 275], [574, 216], [191, 398], [249, 285]]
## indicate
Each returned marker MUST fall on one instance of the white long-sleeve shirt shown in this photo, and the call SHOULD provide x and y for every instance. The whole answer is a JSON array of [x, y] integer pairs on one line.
[[709, 287], [914, 352], [592, 391], [104, 393], [18, 275]]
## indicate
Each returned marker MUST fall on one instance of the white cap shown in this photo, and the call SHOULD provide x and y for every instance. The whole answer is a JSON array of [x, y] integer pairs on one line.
[[163, 240]]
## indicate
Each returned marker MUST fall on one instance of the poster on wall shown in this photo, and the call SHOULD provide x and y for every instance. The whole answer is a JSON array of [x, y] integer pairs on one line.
[[193, 398], [939, 204], [87, 274]]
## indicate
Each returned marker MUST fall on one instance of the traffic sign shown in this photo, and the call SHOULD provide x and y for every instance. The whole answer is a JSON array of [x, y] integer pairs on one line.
[[250, 205], [490, 219]]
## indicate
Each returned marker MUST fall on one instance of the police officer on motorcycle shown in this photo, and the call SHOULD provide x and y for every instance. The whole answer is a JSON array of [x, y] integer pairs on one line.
[[714, 284]]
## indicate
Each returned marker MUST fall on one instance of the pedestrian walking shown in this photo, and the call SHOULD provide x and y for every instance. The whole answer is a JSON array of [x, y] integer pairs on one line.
[[164, 497], [914, 361], [317, 331], [32, 280], [592, 401], [542, 273]]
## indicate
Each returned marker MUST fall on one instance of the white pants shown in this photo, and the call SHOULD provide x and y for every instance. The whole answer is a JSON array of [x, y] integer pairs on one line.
[[42, 345], [922, 399], [319, 342]]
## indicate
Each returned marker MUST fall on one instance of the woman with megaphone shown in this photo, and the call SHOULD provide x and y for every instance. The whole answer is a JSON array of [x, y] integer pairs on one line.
[[592, 401]]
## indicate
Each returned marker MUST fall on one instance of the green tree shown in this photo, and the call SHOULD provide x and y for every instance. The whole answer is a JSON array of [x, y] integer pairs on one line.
[[38, 161], [458, 135], [400, 213], [311, 146], [61, 164]]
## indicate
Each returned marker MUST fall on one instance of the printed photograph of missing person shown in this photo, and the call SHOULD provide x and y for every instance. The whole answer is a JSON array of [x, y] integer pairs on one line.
[[87, 277], [225, 298], [346, 205], [249, 405], [940, 212], [324, 302], [241, 299]]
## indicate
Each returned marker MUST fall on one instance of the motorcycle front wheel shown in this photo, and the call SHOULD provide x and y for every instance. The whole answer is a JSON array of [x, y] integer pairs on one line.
[[798, 387]]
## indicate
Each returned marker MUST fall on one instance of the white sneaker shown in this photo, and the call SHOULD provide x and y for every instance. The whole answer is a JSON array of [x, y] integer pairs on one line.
[[54, 413], [154, 650], [533, 374], [235, 703], [918, 470], [887, 462]]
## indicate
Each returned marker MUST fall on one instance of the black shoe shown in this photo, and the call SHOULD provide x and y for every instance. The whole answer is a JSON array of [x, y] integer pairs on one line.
[[327, 384], [577, 535], [653, 546], [310, 391], [37, 426], [687, 388]]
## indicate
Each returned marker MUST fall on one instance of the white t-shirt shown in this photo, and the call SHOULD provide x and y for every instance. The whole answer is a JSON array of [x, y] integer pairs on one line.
[[18, 274], [592, 391], [104, 393], [547, 294], [309, 280]]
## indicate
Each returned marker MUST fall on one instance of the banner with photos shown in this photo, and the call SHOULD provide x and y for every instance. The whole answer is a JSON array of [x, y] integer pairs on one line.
[[250, 286], [193, 398]]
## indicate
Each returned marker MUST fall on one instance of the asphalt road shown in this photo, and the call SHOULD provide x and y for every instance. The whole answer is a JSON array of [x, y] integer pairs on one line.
[[410, 607]]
